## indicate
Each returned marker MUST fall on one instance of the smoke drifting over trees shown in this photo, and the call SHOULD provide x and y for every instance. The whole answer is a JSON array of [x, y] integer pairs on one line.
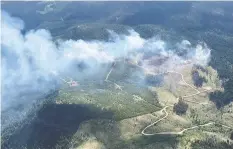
[[32, 61]]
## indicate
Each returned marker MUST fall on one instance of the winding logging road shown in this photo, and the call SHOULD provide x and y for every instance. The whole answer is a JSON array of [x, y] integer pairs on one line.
[[164, 110], [166, 106], [166, 114]]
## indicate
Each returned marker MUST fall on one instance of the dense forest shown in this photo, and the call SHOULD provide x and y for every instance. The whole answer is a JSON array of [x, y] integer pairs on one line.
[[195, 21], [62, 113]]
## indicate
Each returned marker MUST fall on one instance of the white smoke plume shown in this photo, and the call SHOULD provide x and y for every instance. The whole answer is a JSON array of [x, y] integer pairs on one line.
[[31, 60]]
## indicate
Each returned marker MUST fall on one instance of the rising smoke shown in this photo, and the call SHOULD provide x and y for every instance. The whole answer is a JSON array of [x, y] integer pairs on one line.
[[32, 61]]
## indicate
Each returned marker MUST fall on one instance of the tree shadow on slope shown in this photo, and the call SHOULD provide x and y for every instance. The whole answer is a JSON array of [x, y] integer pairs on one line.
[[197, 79], [55, 124], [222, 98]]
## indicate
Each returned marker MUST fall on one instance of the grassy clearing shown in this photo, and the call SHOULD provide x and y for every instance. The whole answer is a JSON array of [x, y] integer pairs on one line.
[[164, 96], [120, 102]]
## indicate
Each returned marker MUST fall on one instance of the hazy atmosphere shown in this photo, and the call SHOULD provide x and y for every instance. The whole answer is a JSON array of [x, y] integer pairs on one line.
[[117, 62]]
